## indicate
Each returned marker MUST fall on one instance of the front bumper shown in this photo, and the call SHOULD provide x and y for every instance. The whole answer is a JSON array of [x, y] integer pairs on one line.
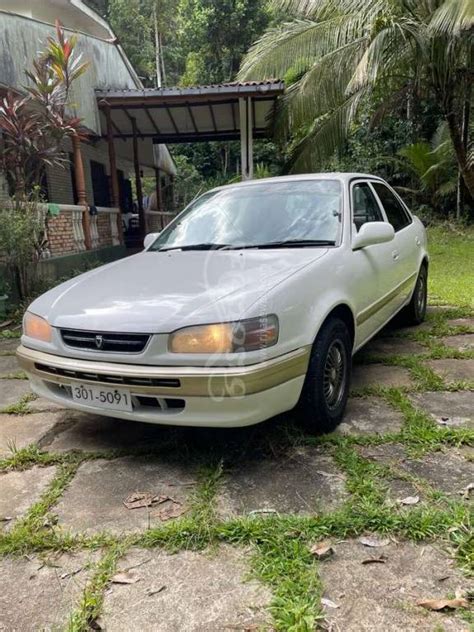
[[201, 396]]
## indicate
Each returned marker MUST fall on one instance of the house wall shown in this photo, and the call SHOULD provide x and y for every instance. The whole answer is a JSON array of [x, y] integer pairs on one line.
[[20, 39], [60, 187]]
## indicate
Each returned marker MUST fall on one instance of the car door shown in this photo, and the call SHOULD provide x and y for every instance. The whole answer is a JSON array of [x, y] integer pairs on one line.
[[371, 267], [405, 248]]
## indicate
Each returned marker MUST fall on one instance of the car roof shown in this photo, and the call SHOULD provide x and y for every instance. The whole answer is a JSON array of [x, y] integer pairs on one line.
[[337, 175]]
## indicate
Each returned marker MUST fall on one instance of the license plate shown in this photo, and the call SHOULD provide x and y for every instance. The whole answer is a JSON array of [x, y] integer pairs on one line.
[[102, 397]]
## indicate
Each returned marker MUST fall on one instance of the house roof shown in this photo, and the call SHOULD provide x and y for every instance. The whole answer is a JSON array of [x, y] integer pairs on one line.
[[181, 115]]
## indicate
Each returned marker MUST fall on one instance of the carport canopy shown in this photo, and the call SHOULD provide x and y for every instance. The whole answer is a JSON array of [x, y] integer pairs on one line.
[[223, 112]]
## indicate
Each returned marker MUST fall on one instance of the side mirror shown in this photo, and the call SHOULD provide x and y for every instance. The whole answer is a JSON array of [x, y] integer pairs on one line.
[[149, 239], [373, 233]]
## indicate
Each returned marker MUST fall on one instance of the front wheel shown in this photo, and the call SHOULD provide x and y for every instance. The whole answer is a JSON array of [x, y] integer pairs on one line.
[[415, 312], [326, 388]]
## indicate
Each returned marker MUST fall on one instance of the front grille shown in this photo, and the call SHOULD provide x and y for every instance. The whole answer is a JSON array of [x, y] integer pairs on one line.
[[110, 379], [97, 341]]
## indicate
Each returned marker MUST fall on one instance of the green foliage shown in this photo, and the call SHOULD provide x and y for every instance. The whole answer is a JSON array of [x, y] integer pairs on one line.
[[216, 36], [21, 241], [34, 127], [384, 53]]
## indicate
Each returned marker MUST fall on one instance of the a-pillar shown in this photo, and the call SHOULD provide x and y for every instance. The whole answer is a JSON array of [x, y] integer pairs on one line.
[[246, 137], [81, 189]]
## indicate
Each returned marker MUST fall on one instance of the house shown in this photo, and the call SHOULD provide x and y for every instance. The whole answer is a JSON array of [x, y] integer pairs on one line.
[[102, 168]]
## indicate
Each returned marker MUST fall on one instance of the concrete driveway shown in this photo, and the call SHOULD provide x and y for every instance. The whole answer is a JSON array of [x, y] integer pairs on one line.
[[112, 525]]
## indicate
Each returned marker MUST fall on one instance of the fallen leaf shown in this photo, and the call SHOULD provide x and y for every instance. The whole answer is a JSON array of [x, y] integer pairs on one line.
[[6, 518], [328, 603], [322, 549], [409, 500], [125, 577], [171, 511], [139, 499], [374, 541], [154, 591], [440, 604], [375, 560]]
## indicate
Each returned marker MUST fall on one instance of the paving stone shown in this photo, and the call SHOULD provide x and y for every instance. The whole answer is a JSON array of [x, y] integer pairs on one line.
[[94, 501], [463, 342], [454, 370], [11, 391], [35, 595], [391, 346], [447, 409], [95, 432], [305, 481], [370, 416], [8, 365], [9, 345], [384, 596], [42, 405], [23, 430], [448, 471], [379, 375], [462, 322], [20, 490], [202, 592], [439, 309]]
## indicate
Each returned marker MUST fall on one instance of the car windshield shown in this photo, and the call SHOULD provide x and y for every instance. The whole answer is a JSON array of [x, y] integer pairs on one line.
[[298, 213]]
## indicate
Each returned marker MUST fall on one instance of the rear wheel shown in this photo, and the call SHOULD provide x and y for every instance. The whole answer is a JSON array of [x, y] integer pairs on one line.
[[326, 388], [415, 312]]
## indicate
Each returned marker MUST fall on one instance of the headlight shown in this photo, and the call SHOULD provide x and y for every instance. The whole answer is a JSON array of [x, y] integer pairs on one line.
[[244, 335], [36, 327]]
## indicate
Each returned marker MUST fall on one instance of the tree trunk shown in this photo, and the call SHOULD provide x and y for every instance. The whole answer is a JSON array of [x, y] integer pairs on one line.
[[461, 152]]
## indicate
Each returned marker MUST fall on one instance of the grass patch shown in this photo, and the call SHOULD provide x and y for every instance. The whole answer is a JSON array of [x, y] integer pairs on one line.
[[90, 606], [20, 407], [451, 270]]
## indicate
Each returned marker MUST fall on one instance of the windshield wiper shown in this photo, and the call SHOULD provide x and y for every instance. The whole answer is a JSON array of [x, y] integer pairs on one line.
[[288, 243], [195, 247]]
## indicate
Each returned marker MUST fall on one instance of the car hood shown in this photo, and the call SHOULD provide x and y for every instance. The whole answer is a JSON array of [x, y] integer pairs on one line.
[[157, 292]]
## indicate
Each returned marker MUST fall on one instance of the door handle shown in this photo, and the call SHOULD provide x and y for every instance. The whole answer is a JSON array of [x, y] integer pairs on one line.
[[395, 255], [418, 241]]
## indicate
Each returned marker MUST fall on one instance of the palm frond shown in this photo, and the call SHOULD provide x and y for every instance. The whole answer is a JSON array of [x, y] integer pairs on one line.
[[319, 9], [323, 86], [386, 51], [325, 136], [453, 17], [305, 40]]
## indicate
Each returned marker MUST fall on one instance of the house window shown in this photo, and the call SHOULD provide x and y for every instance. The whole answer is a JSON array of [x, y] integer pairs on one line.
[[100, 184]]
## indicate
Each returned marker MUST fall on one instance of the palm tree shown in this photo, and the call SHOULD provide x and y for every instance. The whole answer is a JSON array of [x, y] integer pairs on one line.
[[345, 52]]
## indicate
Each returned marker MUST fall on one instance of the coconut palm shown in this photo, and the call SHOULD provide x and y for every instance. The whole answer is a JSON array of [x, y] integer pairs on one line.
[[346, 52]]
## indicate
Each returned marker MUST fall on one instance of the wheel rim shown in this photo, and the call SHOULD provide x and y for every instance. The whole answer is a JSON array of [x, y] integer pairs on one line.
[[334, 379], [421, 294]]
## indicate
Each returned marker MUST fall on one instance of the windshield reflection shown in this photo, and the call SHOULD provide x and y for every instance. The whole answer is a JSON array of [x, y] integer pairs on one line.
[[298, 213]]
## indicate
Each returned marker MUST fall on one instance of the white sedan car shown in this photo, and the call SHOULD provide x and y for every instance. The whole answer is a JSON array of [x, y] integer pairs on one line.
[[250, 303]]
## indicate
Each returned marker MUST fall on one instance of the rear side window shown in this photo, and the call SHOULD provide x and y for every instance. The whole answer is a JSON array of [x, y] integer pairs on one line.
[[396, 214], [364, 205]]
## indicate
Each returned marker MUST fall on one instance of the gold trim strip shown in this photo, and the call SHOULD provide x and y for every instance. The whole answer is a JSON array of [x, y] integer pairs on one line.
[[195, 381], [385, 300]]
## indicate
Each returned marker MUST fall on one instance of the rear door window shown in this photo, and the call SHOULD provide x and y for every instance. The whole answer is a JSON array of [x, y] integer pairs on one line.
[[396, 213]]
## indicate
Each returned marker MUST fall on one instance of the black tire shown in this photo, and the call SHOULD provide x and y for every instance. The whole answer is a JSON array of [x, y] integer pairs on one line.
[[326, 388], [415, 312]]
